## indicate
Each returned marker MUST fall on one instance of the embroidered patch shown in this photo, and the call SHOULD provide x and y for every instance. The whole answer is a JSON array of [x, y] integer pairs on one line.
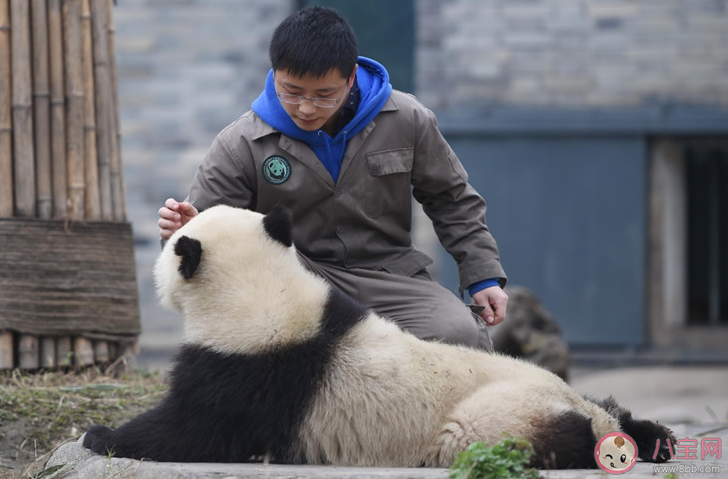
[[276, 170]]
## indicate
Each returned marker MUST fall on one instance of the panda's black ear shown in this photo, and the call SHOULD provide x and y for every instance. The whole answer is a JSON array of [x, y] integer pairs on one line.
[[191, 252], [279, 225]]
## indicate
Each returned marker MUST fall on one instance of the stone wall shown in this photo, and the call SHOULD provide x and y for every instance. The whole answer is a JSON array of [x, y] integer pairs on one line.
[[572, 53]]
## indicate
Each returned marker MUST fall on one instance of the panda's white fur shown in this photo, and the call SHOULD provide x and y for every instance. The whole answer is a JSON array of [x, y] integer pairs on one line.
[[250, 294], [379, 397]]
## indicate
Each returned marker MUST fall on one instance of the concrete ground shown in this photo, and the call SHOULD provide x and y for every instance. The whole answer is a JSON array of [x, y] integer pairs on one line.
[[693, 400]]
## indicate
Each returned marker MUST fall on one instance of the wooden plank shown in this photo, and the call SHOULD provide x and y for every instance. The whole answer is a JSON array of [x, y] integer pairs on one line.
[[80, 278], [28, 357], [6, 350], [73, 68], [58, 110], [6, 133], [23, 151], [41, 109]]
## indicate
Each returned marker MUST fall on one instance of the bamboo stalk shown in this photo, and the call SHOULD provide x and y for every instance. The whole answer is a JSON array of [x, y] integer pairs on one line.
[[41, 98], [6, 132], [23, 154], [103, 114], [74, 108], [117, 175], [6, 350], [93, 201], [58, 111]]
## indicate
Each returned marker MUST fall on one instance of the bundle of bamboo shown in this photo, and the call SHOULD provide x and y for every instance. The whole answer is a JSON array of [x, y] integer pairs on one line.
[[60, 168]]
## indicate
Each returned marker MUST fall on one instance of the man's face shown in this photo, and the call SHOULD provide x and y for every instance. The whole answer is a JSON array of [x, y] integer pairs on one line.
[[307, 115]]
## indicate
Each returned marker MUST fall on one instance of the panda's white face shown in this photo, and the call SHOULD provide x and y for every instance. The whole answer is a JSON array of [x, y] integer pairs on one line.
[[235, 276]]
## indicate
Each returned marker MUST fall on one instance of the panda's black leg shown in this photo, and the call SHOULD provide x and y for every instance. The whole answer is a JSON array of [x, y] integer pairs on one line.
[[151, 435], [654, 441]]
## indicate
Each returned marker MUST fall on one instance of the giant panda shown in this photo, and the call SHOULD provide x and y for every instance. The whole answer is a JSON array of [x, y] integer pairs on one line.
[[278, 365]]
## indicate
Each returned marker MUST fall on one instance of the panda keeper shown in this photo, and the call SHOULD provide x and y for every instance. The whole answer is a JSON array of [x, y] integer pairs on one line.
[[330, 140]]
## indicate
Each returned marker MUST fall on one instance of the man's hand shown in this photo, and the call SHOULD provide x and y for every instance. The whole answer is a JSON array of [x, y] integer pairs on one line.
[[495, 302], [173, 215]]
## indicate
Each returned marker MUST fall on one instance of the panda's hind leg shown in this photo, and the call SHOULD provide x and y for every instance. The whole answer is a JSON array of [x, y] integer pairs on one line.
[[562, 438], [644, 432]]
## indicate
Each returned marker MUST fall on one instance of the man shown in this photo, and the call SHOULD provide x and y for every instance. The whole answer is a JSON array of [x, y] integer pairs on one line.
[[329, 139]]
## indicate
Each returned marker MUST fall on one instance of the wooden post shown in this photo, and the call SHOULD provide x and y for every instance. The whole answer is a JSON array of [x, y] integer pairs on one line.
[[58, 110], [83, 352], [47, 352], [6, 138], [6, 350], [101, 351], [103, 106], [28, 351], [41, 99], [63, 351], [23, 153], [93, 201], [74, 108]]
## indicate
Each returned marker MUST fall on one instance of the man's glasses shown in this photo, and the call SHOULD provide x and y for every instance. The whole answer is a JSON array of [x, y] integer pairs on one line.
[[298, 99]]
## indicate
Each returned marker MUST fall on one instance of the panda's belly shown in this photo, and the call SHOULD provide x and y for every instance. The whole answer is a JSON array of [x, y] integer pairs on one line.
[[384, 398]]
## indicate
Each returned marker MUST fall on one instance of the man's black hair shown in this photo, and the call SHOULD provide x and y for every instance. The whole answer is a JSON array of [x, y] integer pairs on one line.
[[313, 41]]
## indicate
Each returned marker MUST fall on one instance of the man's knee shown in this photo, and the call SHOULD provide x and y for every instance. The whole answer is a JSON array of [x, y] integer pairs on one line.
[[460, 329]]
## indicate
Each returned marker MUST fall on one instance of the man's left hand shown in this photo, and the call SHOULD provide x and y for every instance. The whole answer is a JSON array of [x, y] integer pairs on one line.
[[495, 301]]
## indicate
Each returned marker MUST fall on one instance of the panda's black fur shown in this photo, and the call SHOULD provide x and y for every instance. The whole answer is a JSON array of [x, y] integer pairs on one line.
[[233, 408], [330, 396]]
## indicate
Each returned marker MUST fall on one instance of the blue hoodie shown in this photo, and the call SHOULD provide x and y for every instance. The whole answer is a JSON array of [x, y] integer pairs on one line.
[[373, 82]]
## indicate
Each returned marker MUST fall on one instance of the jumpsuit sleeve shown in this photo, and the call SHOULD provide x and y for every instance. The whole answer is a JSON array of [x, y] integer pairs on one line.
[[225, 176], [457, 211]]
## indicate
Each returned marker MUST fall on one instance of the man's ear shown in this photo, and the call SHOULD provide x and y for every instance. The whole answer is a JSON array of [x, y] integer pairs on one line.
[[191, 252], [279, 225]]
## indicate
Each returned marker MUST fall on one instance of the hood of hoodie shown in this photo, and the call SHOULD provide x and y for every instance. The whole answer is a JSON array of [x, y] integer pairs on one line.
[[374, 89]]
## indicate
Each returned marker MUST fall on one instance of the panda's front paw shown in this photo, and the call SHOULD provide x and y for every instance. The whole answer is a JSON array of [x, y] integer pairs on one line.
[[97, 439]]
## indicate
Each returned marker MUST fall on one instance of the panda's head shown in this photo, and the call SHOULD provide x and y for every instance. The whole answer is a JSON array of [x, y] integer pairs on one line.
[[235, 276]]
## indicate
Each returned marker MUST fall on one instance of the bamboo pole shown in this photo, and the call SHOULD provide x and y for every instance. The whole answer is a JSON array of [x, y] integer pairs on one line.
[[58, 110], [6, 132], [23, 154], [117, 174], [74, 108], [103, 114], [93, 201], [41, 98]]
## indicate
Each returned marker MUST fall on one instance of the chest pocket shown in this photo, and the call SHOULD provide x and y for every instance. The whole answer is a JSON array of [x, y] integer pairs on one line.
[[388, 181]]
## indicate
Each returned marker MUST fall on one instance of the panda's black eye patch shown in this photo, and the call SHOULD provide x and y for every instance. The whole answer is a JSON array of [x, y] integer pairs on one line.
[[191, 252]]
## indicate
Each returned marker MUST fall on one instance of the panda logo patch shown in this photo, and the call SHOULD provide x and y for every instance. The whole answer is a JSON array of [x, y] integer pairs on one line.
[[276, 170]]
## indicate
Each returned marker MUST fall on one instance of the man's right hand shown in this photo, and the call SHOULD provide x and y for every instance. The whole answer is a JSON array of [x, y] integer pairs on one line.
[[173, 215]]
